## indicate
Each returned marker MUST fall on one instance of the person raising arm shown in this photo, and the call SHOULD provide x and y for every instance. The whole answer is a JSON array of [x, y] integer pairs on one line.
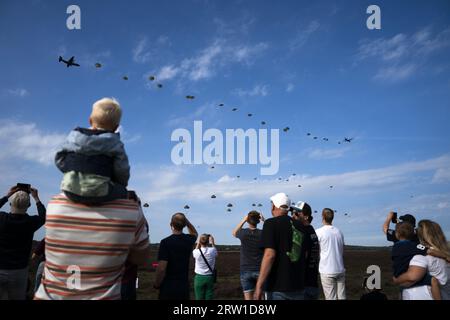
[[172, 273], [11, 191]]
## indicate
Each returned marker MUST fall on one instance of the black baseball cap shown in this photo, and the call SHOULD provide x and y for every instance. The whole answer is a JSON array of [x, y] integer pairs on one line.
[[303, 207], [408, 218]]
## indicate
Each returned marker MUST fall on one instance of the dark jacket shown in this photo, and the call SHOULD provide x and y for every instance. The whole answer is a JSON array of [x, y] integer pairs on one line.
[[92, 162], [16, 236]]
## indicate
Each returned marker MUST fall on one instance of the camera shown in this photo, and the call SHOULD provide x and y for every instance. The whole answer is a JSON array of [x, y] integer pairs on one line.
[[394, 217], [24, 187]]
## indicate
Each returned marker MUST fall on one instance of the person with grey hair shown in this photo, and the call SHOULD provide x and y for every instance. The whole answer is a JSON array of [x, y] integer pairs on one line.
[[17, 229]]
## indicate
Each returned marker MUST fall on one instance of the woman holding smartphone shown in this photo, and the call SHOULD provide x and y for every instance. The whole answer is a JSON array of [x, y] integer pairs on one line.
[[205, 255]]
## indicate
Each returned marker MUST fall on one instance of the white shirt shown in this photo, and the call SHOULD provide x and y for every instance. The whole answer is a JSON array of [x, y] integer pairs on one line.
[[201, 267], [437, 268], [417, 293], [331, 241]]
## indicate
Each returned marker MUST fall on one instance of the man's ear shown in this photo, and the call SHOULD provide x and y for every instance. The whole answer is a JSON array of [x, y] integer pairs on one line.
[[90, 121]]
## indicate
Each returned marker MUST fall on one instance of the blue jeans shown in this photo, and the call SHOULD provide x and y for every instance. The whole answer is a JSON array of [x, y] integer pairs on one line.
[[295, 295], [311, 293], [39, 272], [248, 280]]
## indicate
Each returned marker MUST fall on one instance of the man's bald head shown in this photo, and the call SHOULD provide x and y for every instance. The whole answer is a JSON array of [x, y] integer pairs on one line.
[[178, 221]]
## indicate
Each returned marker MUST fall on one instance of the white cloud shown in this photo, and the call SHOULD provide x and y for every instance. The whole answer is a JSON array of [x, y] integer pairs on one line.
[[147, 50], [396, 73], [18, 92], [140, 51], [26, 141], [402, 56], [225, 178], [386, 49], [163, 40], [239, 26], [290, 87], [443, 205], [201, 67], [211, 59], [428, 44], [303, 35], [126, 137], [199, 113], [246, 53], [432, 205], [442, 175], [257, 90], [167, 73], [362, 181], [161, 178], [320, 154]]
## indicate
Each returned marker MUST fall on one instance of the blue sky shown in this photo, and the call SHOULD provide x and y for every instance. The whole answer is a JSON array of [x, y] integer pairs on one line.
[[312, 66]]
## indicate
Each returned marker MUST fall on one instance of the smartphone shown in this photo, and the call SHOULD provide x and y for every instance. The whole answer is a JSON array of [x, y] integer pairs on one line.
[[394, 217], [24, 187]]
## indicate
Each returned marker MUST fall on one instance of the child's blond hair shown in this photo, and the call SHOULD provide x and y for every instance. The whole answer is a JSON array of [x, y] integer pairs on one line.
[[106, 114]]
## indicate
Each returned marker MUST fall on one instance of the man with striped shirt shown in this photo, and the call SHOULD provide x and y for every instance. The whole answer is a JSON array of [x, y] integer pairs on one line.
[[87, 248]]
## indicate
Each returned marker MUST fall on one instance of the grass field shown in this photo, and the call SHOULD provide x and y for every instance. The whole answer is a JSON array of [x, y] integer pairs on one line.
[[228, 287]]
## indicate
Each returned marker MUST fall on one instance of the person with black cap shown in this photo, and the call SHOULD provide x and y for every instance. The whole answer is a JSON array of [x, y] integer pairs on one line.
[[409, 219], [392, 217], [302, 212]]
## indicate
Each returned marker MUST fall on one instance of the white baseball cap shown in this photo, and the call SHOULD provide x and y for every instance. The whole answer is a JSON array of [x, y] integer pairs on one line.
[[280, 199]]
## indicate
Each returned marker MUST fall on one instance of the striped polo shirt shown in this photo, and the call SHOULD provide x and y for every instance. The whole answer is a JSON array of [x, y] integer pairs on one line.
[[86, 248]]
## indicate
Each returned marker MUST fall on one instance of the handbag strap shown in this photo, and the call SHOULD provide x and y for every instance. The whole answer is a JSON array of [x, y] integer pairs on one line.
[[206, 261]]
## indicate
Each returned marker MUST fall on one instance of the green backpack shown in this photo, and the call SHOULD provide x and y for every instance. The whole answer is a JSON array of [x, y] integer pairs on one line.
[[297, 240]]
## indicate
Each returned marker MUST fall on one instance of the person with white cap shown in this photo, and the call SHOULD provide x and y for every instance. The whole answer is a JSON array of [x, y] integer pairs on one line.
[[302, 212], [331, 266], [282, 272]]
